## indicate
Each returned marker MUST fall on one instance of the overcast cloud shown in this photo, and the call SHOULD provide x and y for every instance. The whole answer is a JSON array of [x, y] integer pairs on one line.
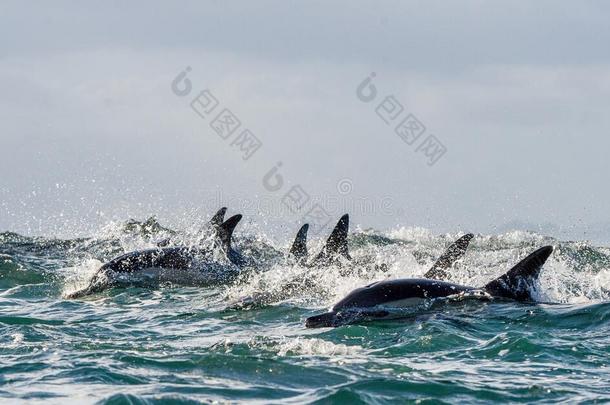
[[90, 130]]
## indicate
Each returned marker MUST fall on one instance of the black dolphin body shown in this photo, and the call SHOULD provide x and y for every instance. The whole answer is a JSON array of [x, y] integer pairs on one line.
[[180, 264], [372, 301]]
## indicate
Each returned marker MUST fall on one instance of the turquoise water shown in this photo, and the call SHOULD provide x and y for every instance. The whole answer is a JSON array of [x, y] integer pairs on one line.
[[177, 344]]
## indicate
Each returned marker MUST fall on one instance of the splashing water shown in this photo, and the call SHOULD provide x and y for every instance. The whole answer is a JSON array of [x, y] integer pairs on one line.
[[176, 343]]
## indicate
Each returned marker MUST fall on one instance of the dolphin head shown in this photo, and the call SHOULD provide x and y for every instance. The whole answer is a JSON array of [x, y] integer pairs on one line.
[[338, 317], [327, 320]]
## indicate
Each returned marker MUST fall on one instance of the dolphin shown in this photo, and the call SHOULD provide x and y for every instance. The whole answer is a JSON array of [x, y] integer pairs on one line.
[[179, 264], [333, 249], [335, 252], [336, 249], [374, 300], [205, 233]]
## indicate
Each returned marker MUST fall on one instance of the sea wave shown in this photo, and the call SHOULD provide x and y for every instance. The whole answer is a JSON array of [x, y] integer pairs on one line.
[[193, 344]]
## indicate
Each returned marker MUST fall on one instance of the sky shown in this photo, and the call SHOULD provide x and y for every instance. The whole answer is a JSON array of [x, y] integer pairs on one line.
[[97, 125]]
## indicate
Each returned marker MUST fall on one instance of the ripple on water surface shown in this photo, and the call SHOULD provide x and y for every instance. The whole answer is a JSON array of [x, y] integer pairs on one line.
[[190, 345]]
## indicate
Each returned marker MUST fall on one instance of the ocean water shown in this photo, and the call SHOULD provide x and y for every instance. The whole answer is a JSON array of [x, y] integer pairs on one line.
[[175, 344]]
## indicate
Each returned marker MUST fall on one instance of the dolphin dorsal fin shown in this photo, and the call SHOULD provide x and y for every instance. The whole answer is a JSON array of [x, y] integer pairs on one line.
[[517, 282], [218, 218], [336, 245], [453, 253], [299, 246], [337, 241], [225, 231]]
